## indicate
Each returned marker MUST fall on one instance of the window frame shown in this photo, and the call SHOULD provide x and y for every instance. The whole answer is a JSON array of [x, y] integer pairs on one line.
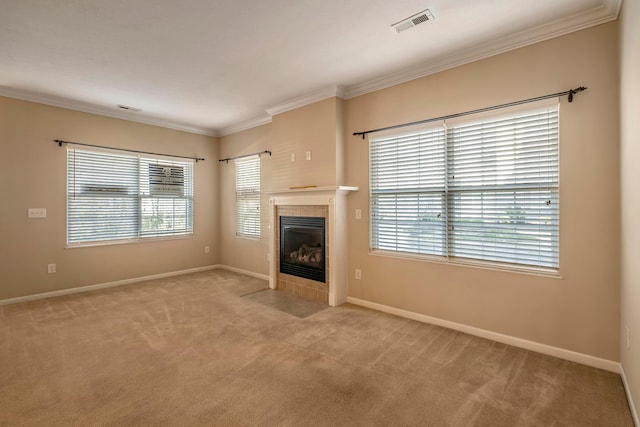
[[248, 196], [448, 194], [141, 194]]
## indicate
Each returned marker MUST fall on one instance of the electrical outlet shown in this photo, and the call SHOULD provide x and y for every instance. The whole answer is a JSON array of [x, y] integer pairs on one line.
[[207, 249], [358, 274], [51, 268], [358, 213]]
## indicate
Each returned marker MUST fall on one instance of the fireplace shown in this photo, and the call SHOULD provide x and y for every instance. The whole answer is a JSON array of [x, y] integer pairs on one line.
[[302, 247], [329, 206]]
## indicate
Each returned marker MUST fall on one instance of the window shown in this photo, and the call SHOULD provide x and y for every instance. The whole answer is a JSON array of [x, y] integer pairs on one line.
[[248, 197], [113, 196], [483, 189]]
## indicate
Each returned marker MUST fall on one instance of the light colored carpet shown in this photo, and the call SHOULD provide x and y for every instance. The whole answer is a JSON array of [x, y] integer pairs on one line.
[[190, 350]]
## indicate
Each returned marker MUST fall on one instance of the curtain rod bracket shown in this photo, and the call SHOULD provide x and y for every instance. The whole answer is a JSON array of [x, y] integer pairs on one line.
[[574, 91]]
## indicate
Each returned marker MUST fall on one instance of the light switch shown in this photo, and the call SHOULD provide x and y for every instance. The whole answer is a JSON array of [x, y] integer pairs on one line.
[[358, 213], [37, 213], [308, 155], [293, 157]]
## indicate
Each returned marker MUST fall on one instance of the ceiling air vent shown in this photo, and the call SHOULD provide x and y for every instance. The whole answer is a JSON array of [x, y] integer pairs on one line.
[[414, 20]]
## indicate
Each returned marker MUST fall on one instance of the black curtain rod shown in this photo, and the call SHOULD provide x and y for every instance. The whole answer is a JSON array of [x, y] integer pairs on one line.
[[245, 155], [60, 142], [570, 94]]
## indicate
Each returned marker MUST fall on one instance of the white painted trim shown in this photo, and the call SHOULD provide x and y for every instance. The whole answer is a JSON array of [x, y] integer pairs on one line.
[[309, 98], [595, 16], [627, 389], [335, 200], [244, 125], [103, 111], [104, 285], [613, 6], [585, 359], [606, 12], [340, 189], [241, 271]]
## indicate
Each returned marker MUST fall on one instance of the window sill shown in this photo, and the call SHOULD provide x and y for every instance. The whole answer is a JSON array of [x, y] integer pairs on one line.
[[128, 241], [484, 265], [253, 238]]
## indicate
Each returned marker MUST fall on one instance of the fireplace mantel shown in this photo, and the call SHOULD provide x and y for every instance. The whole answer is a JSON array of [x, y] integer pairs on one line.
[[299, 196], [334, 198]]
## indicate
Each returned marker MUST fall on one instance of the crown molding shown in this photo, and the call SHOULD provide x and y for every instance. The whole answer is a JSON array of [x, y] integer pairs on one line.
[[598, 15], [606, 12], [613, 6], [102, 111], [309, 98], [291, 104], [244, 125]]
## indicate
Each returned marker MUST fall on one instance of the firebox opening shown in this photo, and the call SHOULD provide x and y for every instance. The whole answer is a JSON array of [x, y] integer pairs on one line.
[[302, 247]]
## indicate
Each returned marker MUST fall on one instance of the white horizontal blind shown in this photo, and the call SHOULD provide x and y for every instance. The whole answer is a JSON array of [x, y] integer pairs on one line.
[[248, 196], [408, 192], [503, 189], [109, 197], [479, 189]]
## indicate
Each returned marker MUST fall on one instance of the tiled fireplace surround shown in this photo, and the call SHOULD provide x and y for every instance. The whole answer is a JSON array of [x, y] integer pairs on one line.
[[325, 202]]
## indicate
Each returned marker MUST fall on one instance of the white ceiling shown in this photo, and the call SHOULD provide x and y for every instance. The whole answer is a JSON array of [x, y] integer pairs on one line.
[[218, 66]]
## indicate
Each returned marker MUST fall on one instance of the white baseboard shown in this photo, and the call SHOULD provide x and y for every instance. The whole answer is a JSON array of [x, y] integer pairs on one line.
[[241, 271], [627, 389], [104, 285], [127, 282], [585, 359]]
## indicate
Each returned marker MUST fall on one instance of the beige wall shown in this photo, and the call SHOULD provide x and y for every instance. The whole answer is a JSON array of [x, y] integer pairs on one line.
[[316, 127], [33, 175], [579, 312], [240, 252], [312, 128], [630, 180]]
